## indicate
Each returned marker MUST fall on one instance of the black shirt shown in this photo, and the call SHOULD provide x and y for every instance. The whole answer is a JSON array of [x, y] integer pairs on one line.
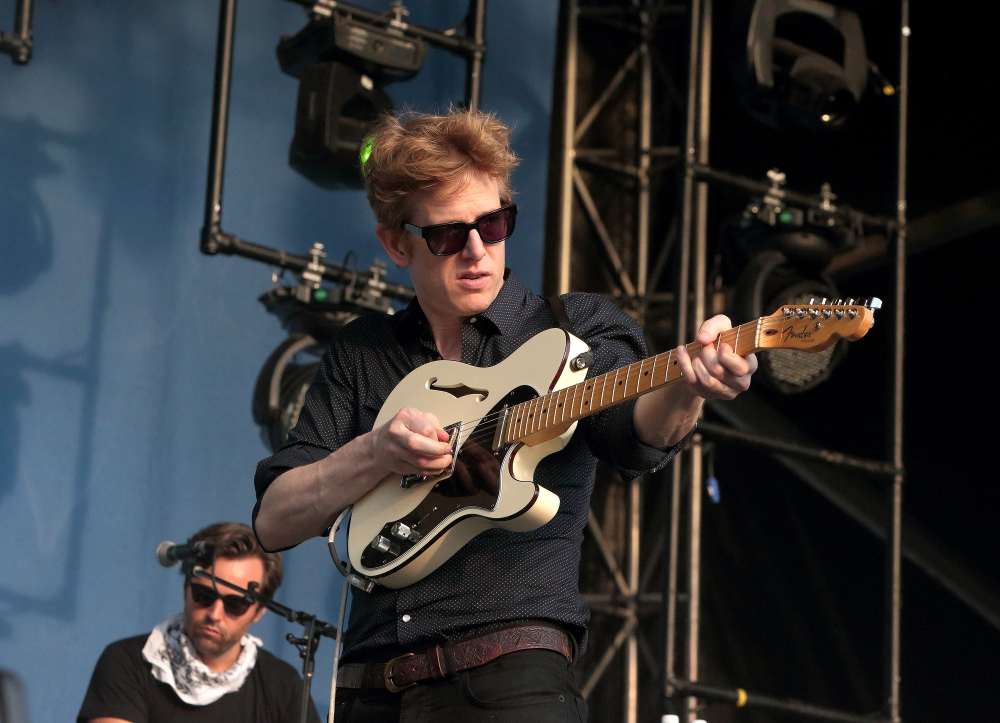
[[123, 686], [500, 575]]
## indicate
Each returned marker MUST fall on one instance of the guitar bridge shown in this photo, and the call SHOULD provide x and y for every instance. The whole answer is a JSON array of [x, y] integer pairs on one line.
[[409, 481]]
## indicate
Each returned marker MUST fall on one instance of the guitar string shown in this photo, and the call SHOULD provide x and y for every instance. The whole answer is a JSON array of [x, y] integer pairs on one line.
[[486, 425], [729, 336]]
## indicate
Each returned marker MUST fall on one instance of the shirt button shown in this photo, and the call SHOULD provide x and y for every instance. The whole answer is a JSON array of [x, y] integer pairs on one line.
[[473, 320], [406, 618]]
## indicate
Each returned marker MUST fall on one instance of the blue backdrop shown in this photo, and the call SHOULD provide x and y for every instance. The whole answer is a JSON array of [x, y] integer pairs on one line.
[[127, 358]]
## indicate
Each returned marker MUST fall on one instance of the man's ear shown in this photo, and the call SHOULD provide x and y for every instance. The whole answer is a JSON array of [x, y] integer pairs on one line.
[[395, 243], [260, 613]]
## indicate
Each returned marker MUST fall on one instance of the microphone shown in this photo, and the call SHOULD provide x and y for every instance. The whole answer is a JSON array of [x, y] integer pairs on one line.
[[168, 554]]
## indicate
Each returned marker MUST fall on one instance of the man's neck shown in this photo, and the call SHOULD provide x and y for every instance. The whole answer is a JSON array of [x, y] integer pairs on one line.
[[222, 662], [448, 339]]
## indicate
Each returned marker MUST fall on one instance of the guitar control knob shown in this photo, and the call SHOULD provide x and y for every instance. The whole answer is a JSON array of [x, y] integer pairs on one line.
[[405, 532], [384, 544]]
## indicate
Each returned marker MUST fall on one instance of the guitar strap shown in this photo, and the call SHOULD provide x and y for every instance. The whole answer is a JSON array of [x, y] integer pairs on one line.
[[559, 311], [584, 360]]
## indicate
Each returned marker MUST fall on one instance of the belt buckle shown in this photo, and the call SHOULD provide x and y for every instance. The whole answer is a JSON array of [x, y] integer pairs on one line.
[[388, 672]]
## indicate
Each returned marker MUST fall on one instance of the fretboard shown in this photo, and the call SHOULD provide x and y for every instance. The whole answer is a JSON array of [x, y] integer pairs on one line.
[[575, 402]]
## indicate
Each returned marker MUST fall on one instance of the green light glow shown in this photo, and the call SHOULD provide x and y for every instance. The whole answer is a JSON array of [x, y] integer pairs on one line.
[[366, 150]]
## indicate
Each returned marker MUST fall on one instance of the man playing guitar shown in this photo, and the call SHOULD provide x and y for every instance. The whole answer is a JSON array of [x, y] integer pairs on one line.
[[491, 633]]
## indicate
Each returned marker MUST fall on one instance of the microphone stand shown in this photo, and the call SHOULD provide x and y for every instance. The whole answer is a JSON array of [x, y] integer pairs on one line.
[[306, 645]]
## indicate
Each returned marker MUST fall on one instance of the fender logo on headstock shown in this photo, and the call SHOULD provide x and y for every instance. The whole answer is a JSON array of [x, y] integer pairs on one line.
[[790, 333]]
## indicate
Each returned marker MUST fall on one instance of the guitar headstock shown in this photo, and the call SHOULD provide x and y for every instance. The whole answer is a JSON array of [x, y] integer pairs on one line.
[[814, 327]]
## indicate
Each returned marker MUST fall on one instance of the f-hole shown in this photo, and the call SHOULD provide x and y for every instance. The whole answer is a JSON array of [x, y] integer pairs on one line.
[[457, 390]]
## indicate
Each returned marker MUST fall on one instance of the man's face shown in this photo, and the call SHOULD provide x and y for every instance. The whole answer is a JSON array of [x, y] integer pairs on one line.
[[215, 633], [450, 288]]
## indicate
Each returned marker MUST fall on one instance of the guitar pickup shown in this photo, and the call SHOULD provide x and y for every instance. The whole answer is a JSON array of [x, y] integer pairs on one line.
[[454, 431]]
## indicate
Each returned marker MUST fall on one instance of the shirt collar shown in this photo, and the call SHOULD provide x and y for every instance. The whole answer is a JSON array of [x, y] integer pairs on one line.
[[507, 309]]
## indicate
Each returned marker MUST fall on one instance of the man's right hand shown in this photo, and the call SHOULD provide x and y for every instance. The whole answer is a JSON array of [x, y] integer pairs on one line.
[[304, 501], [412, 442]]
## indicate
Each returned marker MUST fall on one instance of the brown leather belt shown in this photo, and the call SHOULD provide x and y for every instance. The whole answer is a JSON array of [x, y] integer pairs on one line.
[[439, 661]]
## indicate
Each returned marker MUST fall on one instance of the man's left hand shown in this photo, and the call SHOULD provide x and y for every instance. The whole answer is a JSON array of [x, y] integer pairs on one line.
[[715, 373]]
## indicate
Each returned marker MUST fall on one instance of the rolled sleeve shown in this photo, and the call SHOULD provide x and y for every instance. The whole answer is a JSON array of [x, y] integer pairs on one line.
[[613, 439], [617, 341]]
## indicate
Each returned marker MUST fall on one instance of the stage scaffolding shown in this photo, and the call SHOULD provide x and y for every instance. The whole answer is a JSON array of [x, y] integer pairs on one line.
[[628, 202]]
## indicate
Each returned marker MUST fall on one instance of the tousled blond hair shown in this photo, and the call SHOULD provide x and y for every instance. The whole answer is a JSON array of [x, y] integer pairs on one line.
[[416, 153]]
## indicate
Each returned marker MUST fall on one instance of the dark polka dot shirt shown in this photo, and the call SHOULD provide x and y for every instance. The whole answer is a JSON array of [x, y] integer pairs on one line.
[[499, 576]]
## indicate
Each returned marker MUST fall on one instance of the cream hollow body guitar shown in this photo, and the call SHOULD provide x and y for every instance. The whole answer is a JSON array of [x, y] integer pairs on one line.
[[503, 420]]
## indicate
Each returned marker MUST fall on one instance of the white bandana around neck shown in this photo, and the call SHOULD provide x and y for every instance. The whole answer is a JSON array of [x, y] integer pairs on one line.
[[176, 663]]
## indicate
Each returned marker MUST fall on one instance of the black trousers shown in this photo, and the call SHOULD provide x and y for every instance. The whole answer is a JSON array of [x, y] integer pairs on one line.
[[529, 686]]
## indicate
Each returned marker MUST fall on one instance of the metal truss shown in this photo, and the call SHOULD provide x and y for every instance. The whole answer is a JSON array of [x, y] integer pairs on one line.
[[618, 144], [629, 175]]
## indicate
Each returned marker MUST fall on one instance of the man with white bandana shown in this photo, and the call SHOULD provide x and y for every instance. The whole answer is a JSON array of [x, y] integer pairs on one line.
[[202, 664]]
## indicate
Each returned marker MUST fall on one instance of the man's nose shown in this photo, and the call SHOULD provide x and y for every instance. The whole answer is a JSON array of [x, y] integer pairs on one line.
[[216, 611], [474, 249]]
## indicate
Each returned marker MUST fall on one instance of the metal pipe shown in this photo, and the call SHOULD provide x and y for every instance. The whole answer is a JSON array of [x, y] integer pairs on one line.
[[670, 593], [231, 245], [474, 66], [644, 160], [456, 44], [758, 187], [718, 431], [632, 643], [565, 246], [694, 568], [700, 251], [683, 307], [741, 698], [19, 44], [211, 230], [894, 548]]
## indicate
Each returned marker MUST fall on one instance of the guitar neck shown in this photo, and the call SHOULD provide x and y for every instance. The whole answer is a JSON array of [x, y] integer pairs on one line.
[[806, 328], [594, 395]]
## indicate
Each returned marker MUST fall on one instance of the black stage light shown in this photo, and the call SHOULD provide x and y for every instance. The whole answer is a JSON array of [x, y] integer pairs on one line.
[[799, 62], [281, 387], [336, 108], [342, 63], [779, 253], [769, 282], [312, 314]]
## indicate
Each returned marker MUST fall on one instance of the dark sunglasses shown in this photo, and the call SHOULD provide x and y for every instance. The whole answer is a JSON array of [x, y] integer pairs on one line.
[[445, 239], [204, 596]]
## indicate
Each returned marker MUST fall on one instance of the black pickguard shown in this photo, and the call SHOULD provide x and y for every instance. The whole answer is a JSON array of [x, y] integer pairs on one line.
[[475, 484]]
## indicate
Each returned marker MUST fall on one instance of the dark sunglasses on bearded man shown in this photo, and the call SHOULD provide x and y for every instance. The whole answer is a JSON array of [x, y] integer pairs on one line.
[[205, 596]]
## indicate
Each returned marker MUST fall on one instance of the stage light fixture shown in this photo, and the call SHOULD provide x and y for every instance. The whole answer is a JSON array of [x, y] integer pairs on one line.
[[781, 252], [313, 314], [343, 63], [800, 62]]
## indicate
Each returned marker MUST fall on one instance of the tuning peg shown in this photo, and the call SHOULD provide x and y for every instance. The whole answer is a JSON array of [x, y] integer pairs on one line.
[[874, 303]]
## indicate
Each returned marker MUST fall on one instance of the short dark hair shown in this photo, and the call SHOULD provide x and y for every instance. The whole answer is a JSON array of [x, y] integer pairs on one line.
[[234, 541]]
